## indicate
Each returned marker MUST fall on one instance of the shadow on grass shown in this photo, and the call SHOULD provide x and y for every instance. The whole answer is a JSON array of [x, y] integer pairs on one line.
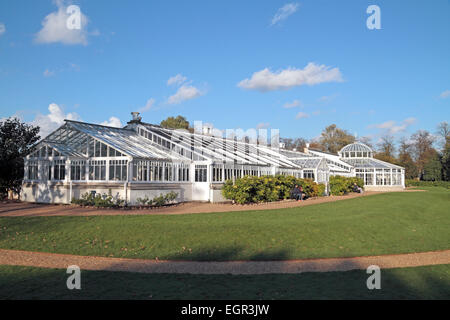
[[430, 282]]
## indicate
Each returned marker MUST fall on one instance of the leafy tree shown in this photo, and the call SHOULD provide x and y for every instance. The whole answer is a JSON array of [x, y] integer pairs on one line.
[[16, 141], [405, 159], [315, 145], [444, 132], [334, 139], [432, 170], [445, 161], [179, 122], [423, 149]]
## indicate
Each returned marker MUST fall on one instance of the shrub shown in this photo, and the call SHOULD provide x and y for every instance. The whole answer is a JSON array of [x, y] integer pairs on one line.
[[159, 200], [252, 189], [144, 201], [340, 185], [99, 200], [171, 196], [108, 201], [321, 189]]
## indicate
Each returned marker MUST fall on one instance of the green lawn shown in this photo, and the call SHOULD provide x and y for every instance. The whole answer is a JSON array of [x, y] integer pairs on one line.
[[381, 224], [432, 282]]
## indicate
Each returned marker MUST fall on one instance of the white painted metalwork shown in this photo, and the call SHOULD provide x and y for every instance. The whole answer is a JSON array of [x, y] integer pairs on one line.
[[142, 158]]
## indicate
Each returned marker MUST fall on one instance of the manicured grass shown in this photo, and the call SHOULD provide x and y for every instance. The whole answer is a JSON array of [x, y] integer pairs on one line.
[[389, 223], [431, 282]]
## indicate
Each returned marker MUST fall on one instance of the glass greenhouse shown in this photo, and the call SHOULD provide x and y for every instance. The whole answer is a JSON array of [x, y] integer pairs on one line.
[[143, 159], [356, 159]]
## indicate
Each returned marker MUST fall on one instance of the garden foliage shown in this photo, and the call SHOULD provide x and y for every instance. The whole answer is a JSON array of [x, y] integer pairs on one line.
[[251, 189], [417, 183], [99, 200], [159, 200], [340, 185]]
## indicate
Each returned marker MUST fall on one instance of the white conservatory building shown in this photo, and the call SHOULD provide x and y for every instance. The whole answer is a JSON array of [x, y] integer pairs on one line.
[[356, 159], [143, 159]]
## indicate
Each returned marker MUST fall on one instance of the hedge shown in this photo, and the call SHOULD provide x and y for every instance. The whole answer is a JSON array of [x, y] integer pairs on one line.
[[340, 185], [418, 183], [252, 189]]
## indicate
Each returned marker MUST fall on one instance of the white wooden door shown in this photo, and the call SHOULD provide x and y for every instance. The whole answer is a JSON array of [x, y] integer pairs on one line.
[[200, 186]]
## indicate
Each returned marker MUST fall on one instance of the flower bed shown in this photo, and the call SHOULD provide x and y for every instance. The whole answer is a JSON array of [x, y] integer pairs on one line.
[[105, 201]]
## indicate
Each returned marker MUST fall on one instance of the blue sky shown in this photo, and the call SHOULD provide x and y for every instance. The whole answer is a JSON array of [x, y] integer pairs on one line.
[[294, 66]]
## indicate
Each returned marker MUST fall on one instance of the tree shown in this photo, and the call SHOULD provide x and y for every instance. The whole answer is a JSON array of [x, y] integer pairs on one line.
[[423, 150], [432, 170], [386, 149], [405, 159], [315, 145], [444, 132], [290, 144], [16, 141], [445, 161], [334, 139], [179, 122], [366, 140]]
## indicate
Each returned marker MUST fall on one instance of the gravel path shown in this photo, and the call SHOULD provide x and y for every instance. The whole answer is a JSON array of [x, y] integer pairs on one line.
[[50, 260]]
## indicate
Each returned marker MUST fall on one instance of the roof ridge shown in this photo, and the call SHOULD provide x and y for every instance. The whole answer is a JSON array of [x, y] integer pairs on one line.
[[97, 125]]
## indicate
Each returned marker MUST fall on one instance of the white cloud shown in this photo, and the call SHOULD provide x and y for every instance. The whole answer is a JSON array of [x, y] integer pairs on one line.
[[312, 74], [178, 79], [112, 122], [293, 104], [148, 105], [52, 120], [391, 127], [284, 12], [2, 28], [54, 28], [47, 73], [384, 125], [184, 93], [301, 115], [445, 94]]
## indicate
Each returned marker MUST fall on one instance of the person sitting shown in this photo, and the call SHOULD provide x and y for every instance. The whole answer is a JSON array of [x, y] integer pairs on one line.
[[357, 188], [295, 192], [302, 194]]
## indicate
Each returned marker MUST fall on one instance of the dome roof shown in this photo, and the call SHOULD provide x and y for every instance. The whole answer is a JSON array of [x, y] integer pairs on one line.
[[356, 149]]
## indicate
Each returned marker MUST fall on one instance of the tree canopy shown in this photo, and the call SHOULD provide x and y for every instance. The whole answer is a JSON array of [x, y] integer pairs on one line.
[[386, 149], [423, 151], [405, 160], [16, 141], [290, 144], [334, 139], [444, 133], [179, 122]]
